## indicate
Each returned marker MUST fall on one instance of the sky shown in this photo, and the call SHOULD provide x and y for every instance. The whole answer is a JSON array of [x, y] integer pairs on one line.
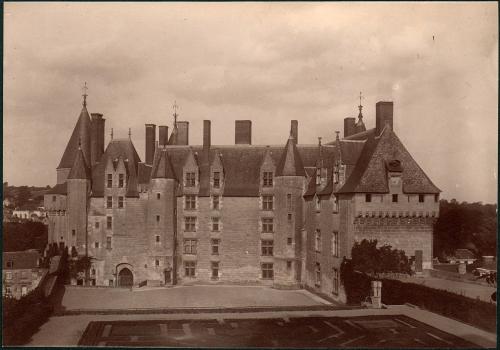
[[267, 62]]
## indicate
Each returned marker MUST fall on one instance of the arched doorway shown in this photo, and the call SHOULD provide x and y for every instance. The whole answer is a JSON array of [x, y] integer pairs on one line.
[[125, 278]]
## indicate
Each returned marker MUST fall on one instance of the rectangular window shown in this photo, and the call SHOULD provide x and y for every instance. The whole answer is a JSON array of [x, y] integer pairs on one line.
[[121, 180], [216, 179], [436, 197], [318, 204], [8, 275], [109, 202], [288, 265], [189, 268], [267, 225], [110, 181], [335, 204], [267, 202], [109, 222], [96, 244], [336, 174], [157, 239], [267, 271], [421, 198], [215, 202], [190, 224], [335, 243], [157, 262], [215, 224], [317, 241], [289, 201], [215, 246], [120, 202], [157, 218], [289, 216], [394, 198], [289, 240], [97, 224], [215, 269], [54, 198], [267, 247], [158, 196], [267, 180], [368, 197], [190, 202], [190, 246], [335, 281], [318, 274], [318, 177], [108, 242], [190, 179]]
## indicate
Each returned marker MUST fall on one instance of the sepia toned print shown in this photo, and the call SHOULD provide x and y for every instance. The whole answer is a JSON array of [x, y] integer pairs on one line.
[[210, 175]]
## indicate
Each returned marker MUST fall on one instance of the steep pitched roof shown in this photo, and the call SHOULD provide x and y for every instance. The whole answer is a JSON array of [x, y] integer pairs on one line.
[[81, 134], [80, 170], [27, 259], [163, 169], [370, 175], [117, 148], [58, 189], [290, 163]]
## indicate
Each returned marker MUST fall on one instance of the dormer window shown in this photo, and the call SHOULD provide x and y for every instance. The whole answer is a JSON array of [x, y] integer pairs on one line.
[[336, 174], [121, 180], [110, 181], [190, 179], [267, 180], [318, 177], [216, 179], [318, 204], [394, 198]]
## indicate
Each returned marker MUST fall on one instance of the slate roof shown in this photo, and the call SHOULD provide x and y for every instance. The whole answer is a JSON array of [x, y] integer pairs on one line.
[[80, 170], [117, 148], [27, 259], [370, 175], [162, 169], [290, 163], [59, 189], [81, 134]]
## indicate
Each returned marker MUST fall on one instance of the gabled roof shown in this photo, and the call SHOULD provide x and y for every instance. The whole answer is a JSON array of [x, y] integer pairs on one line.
[[80, 170], [59, 189], [162, 169], [370, 174], [27, 259], [117, 148], [290, 163], [80, 135]]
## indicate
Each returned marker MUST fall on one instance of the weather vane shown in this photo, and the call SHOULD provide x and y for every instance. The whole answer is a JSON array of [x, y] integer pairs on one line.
[[175, 107], [85, 88]]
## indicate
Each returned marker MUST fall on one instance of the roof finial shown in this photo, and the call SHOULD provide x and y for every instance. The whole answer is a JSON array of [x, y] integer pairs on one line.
[[337, 135], [111, 133], [175, 107], [129, 133], [85, 88], [360, 107]]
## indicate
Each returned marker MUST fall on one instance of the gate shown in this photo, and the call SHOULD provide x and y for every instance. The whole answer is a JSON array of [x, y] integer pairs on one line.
[[125, 278]]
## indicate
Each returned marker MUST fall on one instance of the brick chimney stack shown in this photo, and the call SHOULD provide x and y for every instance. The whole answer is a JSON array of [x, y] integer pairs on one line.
[[349, 126], [294, 131], [163, 135], [207, 137], [383, 115], [243, 132], [182, 133], [150, 143]]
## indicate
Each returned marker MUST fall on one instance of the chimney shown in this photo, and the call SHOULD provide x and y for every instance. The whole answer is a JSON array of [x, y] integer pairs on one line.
[[243, 132], [150, 143], [207, 138], [294, 131], [349, 126], [163, 135], [383, 115], [96, 137], [182, 133]]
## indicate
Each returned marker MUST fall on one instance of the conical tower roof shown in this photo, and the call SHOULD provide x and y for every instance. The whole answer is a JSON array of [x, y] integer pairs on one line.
[[79, 170], [163, 169], [80, 135], [290, 163]]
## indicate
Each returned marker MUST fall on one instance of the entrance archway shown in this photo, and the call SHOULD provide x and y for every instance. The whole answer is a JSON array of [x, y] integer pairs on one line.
[[125, 278]]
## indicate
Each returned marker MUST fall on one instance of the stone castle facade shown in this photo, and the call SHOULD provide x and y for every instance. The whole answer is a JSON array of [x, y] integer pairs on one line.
[[274, 215]]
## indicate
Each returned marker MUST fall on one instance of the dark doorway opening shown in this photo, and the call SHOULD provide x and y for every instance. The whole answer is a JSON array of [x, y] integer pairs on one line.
[[125, 278]]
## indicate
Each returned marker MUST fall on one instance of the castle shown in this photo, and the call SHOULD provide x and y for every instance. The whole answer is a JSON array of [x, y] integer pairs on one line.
[[283, 215]]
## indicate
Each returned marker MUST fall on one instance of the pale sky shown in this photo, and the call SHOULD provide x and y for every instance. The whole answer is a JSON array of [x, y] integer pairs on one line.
[[268, 62]]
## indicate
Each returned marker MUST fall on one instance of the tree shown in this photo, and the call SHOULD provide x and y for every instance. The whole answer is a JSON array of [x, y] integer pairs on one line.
[[369, 259], [23, 195]]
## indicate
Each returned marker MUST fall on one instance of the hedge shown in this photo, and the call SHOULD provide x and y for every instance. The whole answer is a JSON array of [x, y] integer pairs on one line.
[[475, 312]]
